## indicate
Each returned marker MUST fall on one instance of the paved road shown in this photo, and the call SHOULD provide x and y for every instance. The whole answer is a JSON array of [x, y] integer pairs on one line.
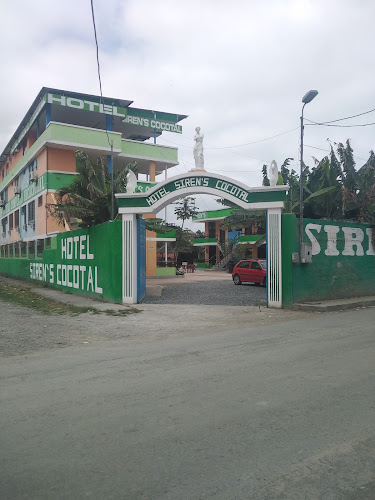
[[220, 293], [277, 412]]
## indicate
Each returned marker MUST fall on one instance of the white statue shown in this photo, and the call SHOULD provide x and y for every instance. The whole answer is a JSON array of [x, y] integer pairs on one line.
[[273, 173], [198, 149], [131, 182]]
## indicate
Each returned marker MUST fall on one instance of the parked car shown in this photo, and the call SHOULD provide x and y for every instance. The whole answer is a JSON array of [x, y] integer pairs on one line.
[[250, 271]]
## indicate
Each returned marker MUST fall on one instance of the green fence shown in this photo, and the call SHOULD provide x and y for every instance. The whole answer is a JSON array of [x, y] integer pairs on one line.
[[343, 261], [84, 262]]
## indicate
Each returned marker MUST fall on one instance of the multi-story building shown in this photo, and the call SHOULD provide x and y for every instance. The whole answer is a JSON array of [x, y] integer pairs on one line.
[[39, 158], [222, 245]]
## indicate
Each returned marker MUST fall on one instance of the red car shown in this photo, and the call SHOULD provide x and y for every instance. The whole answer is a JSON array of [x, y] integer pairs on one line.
[[250, 271]]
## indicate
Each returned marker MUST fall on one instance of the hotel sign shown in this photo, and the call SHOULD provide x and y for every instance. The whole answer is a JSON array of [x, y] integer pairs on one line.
[[75, 103], [135, 116], [206, 184], [194, 181]]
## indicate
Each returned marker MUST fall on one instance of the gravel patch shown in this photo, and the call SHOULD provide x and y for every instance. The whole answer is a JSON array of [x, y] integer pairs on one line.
[[219, 293]]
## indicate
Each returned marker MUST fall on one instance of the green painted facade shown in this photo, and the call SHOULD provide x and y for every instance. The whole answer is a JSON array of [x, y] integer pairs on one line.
[[214, 214], [81, 136], [170, 235], [85, 262], [149, 151], [205, 241], [251, 238], [143, 186], [289, 244], [343, 262], [203, 265]]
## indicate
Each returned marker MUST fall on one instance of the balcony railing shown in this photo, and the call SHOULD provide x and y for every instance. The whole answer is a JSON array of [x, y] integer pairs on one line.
[[205, 241]]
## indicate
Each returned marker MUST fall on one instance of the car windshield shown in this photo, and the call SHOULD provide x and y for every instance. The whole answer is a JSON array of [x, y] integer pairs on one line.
[[263, 264]]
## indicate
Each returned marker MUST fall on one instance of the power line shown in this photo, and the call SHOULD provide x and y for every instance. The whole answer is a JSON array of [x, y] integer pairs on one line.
[[98, 65], [239, 145], [342, 126], [341, 119], [328, 151], [230, 152], [255, 142], [105, 121]]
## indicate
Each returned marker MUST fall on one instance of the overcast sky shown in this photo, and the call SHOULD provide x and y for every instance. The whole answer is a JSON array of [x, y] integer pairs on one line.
[[239, 69]]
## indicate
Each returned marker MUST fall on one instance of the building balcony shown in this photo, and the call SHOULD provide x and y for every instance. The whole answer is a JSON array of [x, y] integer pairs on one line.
[[202, 242], [94, 141], [252, 239], [143, 153]]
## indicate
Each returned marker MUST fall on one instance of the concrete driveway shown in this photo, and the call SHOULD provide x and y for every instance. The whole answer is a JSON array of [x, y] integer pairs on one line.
[[214, 288]]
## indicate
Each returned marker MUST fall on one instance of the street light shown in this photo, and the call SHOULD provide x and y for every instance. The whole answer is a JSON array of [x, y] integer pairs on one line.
[[311, 94]]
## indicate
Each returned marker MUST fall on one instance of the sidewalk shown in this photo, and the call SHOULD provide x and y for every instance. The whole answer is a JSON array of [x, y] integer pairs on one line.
[[335, 305]]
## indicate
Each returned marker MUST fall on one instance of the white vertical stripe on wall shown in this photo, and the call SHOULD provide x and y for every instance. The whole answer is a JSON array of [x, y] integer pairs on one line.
[[129, 259], [274, 258]]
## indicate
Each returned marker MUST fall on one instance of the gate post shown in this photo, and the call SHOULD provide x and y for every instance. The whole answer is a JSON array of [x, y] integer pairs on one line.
[[274, 277], [129, 259]]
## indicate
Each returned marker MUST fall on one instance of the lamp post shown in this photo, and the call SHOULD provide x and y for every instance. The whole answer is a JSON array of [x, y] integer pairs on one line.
[[311, 94]]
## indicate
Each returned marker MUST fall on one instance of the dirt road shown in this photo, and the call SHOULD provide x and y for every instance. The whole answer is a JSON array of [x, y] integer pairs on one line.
[[24, 331]]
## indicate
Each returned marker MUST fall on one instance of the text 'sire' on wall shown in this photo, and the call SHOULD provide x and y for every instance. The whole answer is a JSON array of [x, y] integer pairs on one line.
[[343, 262]]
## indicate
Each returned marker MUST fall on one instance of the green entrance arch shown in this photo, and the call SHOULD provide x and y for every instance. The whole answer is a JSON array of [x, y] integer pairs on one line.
[[271, 199]]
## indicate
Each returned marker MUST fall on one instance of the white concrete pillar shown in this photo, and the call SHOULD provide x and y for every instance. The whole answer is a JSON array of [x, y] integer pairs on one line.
[[129, 259], [274, 261]]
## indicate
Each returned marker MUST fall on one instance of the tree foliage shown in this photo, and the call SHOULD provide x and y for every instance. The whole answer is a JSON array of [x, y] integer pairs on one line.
[[185, 209], [88, 198], [333, 188]]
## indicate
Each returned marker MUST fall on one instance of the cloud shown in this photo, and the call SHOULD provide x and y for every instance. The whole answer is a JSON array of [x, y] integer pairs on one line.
[[239, 69]]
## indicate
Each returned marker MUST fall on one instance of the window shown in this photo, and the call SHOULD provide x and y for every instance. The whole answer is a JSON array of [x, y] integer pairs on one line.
[[212, 229], [4, 225], [255, 265], [40, 248], [31, 245], [31, 213], [32, 171], [10, 222], [4, 196], [2, 173], [245, 264], [23, 249], [17, 219], [7, 169], [40, 201], [23, 217]]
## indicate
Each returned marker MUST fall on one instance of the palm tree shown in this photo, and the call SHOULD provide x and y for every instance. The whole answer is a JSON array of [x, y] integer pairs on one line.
[[88, 198]]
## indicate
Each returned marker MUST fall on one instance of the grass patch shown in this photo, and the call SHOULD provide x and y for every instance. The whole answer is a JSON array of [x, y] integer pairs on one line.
[[22, 295], [121, 312]]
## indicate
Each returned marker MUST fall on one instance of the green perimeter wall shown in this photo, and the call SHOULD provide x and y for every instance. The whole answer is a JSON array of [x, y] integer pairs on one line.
[[85, 262], [333, 273]]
